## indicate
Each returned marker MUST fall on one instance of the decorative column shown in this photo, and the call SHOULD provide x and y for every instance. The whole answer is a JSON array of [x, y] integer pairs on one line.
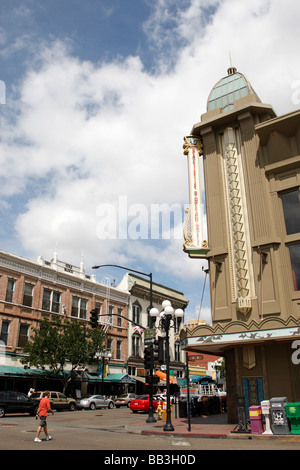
[[237, 218]]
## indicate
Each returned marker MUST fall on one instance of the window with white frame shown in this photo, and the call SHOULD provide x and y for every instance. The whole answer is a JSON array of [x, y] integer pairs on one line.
[[110, 314], [4, 331], [10, 290], [135, 345], [79, 307], [136, 311], [28, 294], [119, 319], [51, 300], [23, 335], [119, 350]]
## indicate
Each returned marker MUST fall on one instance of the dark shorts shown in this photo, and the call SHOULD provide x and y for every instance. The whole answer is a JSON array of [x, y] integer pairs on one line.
[[42, 421]]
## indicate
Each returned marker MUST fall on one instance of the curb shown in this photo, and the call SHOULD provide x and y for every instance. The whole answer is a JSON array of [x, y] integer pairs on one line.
[[185, 434]]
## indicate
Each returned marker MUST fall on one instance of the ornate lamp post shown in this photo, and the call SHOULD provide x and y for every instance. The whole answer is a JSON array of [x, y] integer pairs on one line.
[[167, 320], [104, 355]]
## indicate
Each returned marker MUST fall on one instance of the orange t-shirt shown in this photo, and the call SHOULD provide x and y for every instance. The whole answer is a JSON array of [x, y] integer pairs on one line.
[[44, 406]]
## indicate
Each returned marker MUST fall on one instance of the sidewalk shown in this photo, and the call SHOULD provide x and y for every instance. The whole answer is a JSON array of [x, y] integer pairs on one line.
[[211, 426]]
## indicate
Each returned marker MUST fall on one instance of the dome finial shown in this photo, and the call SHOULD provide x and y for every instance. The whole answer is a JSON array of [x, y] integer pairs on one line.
[[231, 70]]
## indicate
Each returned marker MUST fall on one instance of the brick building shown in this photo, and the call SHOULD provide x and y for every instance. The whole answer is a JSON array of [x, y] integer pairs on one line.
[[29, 289]]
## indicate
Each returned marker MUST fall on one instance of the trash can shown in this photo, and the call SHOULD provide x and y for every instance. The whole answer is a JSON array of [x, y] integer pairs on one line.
[[265, 409], [280, 424], [293, 414], [182, 404], [256, 420]]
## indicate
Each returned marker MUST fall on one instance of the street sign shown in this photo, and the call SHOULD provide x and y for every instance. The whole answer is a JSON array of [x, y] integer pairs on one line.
[[148, 341], [149, 333]]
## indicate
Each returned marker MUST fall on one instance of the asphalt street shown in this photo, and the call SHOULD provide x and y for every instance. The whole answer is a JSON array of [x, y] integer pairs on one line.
[[118, 432]]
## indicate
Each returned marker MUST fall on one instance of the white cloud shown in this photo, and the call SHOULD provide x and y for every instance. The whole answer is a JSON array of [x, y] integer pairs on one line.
[[85, 134]]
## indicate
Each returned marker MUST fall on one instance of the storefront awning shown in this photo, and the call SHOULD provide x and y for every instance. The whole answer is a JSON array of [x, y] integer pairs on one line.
[[112, 378], [13, 371]]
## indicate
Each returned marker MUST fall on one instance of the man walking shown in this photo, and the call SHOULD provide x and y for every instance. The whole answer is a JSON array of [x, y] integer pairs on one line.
[[42, 413]]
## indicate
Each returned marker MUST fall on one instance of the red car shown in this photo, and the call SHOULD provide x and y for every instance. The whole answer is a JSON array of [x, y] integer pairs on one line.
[[141, 403]]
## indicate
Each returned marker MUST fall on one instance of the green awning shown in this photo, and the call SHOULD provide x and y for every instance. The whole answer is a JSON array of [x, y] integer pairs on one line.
[[112, 378], [13, 371]]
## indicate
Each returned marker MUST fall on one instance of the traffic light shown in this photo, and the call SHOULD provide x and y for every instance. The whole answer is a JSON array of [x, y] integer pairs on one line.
[[158, 350], [148, 357], [94, 318]]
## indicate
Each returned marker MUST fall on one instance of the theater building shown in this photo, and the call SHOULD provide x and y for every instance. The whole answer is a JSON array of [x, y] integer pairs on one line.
[[249, 160]]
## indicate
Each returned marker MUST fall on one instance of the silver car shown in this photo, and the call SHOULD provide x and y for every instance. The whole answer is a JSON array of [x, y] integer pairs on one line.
[[124, 400], [95, 401]]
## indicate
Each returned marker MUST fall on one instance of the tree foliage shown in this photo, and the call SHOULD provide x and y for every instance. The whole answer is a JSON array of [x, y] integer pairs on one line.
[[64, 346]]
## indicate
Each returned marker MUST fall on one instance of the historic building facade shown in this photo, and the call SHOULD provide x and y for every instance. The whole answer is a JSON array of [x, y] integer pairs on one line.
[[139, 308], [251, 165], [30, 289]]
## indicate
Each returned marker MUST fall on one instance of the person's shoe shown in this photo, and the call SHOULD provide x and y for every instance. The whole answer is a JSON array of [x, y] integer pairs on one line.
[[48, 438], [37, 440]]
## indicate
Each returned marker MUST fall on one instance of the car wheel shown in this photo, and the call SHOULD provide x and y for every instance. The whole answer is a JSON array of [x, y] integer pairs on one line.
[[117, 406], [128, 404], [71, 406], [110, 405], [2, 412], [92, 406]]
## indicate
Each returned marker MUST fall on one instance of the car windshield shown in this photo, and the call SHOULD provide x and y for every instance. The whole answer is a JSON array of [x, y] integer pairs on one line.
[[123, 396], [142, 397]]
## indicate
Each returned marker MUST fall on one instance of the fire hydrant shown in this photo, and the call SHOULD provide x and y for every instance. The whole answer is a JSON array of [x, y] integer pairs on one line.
[[159, 411]]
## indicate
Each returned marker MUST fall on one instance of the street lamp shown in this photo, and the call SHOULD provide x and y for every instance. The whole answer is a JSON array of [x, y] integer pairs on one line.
[[167, 319], [104, 355]]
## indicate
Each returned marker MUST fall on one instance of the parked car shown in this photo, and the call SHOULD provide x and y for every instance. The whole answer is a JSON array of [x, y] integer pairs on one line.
[[124, 400], [16, 402], [90, 402], [142, 403], [58, 400]]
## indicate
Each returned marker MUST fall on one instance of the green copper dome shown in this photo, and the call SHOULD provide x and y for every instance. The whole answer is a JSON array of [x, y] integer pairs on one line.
[[229, 89]]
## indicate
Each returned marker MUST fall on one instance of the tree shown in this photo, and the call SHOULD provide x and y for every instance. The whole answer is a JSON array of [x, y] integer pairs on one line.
[[63, 346]]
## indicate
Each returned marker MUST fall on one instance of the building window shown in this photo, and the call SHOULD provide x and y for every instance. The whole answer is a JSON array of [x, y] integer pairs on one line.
[[177, 352], [291, 210], [136, 310], [295, 261], [10, 289], [51, 301], [79, 308], [4, 331], [119, 319], [98, 307], [28, 294], [23, 335], [119, 347], [135, 345], [109, 345], [110, 314]]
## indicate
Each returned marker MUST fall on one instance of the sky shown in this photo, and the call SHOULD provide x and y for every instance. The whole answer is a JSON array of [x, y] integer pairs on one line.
[[95, 99]]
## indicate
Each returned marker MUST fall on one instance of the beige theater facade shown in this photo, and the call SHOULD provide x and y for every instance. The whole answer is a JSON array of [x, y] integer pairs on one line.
[[251, 173]]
